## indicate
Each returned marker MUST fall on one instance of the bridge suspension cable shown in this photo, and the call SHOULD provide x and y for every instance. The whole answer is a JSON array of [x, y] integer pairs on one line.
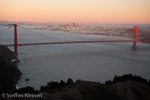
[[5, 29], [66, 41], [43, 34]]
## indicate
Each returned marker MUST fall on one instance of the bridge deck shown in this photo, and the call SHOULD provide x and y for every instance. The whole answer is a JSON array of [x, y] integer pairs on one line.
[[26, 44]]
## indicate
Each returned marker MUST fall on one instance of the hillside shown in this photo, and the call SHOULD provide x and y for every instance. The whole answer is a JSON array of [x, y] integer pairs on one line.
[[141, 35], [8, 54], [84, 90], [9, 73]]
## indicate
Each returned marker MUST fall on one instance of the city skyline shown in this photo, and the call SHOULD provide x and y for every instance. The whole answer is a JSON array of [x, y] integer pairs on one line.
[[85, 11]]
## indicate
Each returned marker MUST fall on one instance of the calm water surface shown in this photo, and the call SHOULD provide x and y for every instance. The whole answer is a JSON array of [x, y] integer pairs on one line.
[[86, 61]]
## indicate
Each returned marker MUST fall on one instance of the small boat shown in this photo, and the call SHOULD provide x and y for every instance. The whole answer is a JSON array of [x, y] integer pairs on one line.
[[27, 79]]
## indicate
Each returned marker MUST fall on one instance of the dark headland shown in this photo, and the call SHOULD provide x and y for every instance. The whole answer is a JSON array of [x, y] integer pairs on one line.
[[8, 54], [126, 87], [9, 73]]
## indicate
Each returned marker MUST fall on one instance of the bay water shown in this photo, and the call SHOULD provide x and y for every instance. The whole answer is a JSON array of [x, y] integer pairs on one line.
[[86, 61]]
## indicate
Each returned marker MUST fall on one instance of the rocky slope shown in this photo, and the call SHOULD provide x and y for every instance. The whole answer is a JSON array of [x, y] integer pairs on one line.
[[84, 90], [7, 54], [9, 73]]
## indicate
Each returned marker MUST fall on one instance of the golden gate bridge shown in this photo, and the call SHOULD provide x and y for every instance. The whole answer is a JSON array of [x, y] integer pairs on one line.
[[16, 44]]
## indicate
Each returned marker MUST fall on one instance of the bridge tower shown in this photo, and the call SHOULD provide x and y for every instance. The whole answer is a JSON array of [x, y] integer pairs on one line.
[[135, 37], [15, 40]]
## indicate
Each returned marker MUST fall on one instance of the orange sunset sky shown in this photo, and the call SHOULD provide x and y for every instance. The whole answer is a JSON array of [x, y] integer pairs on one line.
[[79, 11]]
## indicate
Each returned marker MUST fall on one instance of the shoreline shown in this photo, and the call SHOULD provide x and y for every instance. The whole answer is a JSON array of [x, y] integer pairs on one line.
[[11, 73], [99, 30]]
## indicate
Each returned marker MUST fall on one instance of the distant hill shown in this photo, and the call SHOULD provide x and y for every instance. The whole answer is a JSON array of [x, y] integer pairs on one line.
[[5, 22], [141, 35]]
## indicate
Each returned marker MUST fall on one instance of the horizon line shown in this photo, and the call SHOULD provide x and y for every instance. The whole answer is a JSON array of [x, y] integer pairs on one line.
[[30, 22]]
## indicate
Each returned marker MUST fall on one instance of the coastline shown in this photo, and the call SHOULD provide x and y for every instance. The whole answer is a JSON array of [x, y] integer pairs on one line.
[[121, 88], [127, 32], [8, 54], [10, 74]]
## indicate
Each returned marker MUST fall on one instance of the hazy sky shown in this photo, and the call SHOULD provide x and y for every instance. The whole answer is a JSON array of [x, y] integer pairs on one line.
[[79, 11]]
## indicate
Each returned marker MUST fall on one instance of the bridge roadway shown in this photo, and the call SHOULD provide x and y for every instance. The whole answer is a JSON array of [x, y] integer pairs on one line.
[[26, 44]]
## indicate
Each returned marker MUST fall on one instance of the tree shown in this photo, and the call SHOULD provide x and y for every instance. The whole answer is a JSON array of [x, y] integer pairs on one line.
[[69, 81]]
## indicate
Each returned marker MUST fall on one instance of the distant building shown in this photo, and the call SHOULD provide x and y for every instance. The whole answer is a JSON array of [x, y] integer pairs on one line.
[[74, 24]]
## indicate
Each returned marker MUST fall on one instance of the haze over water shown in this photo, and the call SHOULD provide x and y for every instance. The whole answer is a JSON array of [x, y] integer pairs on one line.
[[86, 61]]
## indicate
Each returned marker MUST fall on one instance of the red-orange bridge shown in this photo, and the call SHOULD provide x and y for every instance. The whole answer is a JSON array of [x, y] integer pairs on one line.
[[16, 44]]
